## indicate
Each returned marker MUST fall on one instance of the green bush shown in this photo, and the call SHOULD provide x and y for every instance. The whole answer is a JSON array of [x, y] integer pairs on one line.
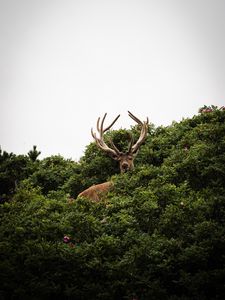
[[159, 234]]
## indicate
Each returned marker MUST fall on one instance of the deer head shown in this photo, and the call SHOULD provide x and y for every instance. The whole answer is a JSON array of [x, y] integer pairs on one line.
[[125, 159]]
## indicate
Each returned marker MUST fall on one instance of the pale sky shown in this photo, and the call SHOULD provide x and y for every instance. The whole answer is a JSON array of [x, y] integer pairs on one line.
[[63, 63]]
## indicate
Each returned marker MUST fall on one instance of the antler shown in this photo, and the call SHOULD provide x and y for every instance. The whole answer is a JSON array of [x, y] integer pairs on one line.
[[144, 130], [100, 141]]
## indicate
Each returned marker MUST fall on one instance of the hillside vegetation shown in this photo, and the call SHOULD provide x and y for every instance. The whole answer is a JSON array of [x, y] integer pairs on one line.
[[159, 234]]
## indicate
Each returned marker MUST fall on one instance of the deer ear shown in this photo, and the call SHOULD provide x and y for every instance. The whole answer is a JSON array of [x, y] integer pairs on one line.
[[115, 157], [135, 153]]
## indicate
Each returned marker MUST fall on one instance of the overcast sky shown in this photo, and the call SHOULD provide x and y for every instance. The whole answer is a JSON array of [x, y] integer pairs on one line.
[[63, 63]]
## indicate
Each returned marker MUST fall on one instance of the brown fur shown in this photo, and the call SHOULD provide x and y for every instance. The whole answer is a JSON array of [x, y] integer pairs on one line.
[[96, 192]]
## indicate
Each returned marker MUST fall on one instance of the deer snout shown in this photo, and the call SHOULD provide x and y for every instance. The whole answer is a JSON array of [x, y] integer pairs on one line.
[[125, 166]]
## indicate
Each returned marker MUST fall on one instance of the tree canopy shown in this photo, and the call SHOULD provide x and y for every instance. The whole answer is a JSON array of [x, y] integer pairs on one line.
[[160, 234]]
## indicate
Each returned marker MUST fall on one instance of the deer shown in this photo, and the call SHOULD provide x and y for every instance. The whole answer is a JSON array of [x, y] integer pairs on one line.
[[125, 159]]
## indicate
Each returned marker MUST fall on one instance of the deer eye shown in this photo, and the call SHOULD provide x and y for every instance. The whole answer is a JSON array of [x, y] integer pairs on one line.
[[115, 157]]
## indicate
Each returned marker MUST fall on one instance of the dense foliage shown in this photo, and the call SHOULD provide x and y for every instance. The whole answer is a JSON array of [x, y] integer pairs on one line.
[[159, 235]]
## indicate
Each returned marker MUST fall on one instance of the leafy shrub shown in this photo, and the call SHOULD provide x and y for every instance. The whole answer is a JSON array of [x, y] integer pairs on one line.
[[159, 234]]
